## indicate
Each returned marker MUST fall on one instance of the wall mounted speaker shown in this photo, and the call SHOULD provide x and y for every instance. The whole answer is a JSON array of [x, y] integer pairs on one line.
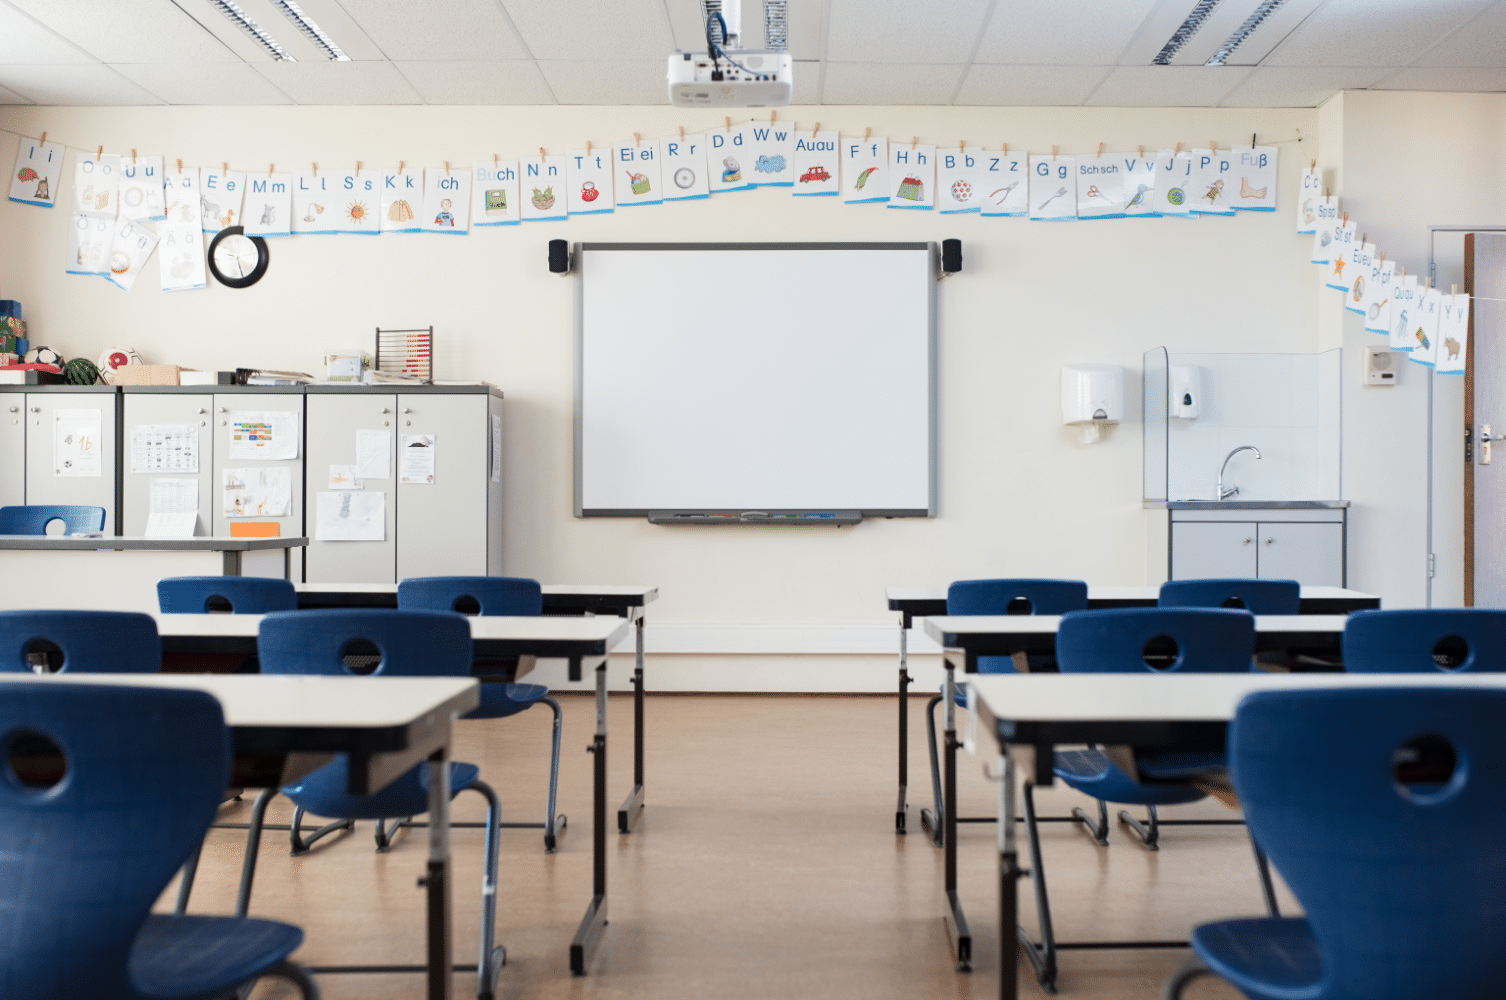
[[559, 256], [951, 256], [1380, 367]]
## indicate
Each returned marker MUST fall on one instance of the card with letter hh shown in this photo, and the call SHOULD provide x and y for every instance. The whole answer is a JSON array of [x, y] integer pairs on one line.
[[1453, 334], [816, 166], [1213, 179], [589, 182], [402, 200], [269, 205], [636, 174], [1255, 175], [1309, 197], [1174, 184], [959, 180], [1053, 188], [1100, 188], [912, 177], [727, 157], [1138, 184], [1004, 188], [223, 193], [543, 188], [773, 154], [1326, 211], [865, 170], [39, 168], [682, 162], [447, 200], [494, 194], [141, 189]]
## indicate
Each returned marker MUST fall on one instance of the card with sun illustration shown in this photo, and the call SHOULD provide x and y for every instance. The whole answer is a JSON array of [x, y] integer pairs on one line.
[[357, 203]]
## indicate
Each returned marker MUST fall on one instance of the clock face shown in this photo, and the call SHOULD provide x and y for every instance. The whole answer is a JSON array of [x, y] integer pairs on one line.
[[236, 256]]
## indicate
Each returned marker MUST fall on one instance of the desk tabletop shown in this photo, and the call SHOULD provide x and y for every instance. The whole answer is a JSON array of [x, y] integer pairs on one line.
[[922, 599], [557, 596], [203, 543], [969, 631], [539, 636]]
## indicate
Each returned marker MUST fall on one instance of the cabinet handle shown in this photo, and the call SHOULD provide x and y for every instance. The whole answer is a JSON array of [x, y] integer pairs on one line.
[[36, 409], [15, 409], [407, 423], [385, 410], [1268, 541], [385, 422], [223, 422], [223, 410], [407, 409], [201, 409], [1248, 540]]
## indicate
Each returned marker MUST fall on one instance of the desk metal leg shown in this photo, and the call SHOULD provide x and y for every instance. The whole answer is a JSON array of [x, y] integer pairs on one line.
[[956, 922], [230, 563], [1009, 878], [904, 721], [588, 935], [632, 806], [437, 879]]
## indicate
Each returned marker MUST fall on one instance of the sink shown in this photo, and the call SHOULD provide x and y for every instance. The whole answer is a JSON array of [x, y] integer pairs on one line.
[[1247, 504]]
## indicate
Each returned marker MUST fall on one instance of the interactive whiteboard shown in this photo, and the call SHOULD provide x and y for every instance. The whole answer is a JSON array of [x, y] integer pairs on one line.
[[770, 377]]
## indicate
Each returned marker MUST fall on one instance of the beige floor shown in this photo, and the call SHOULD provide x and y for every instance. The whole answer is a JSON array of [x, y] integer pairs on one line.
[[764, 867]]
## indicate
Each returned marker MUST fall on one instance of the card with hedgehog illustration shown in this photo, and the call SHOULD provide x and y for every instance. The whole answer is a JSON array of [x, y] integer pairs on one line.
[[222, 194], [635, 173], [447, 201], [401, 201], [38, 170], [268, 206], [494, 193], [865, 170]]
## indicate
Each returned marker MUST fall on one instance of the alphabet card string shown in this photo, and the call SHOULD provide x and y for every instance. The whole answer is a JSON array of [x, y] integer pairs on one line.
[[1309, 197], [1139, 184], [1425, 328], [38, 171], [1377, 302], [223, 192], [402, 199], [1255, 178], [494, 194], [1405, 297], [447, 199], [1053, 187], [141, 189], [131, 244], [181, 237], [1003, 184], [636, 174], [773, 153], [1325, 228], [590, 182], [1453, 334], [817, 169], [959, 180], [1100, 188], [1175, 185], [1343, 255], [96, 181], [1362, 261], [912, 176], [865, 171], [1213, 175], [682, 162], [727, 154]]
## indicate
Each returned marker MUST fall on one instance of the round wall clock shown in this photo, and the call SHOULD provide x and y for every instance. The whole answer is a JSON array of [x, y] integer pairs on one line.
[[237, 260]]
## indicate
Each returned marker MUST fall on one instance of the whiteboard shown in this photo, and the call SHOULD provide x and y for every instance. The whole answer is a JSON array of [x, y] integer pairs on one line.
[[777, 377]]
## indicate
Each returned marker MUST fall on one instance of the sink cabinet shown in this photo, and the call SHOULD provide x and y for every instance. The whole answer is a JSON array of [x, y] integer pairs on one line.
[[1303, 545]]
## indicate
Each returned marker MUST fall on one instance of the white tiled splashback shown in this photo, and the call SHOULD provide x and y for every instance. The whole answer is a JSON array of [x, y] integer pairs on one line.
[[1286, 405]]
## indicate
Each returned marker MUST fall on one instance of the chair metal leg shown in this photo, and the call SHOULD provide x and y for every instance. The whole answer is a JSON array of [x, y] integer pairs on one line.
[[1042, 956], [934, 822], [1149, 832], [491, 959], [185, 883], [1266, 886], [300, 847], [1190, 970], [553, 825], [1099, 830], [295, 974], [386, 838], [253, 845]]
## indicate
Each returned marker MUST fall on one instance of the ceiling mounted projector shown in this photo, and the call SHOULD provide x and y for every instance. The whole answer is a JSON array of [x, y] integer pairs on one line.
[[727, 76]]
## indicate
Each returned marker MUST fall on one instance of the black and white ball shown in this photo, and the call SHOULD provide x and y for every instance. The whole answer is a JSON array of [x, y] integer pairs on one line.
[[43, 356]]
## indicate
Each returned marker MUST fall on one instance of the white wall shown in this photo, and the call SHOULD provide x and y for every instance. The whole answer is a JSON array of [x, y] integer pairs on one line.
[[1018, 494]]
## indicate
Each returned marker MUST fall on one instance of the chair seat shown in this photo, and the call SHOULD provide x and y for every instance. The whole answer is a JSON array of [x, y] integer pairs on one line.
[[1092, 773], [1272, 959], [194, 956], [323, 793], [1181, 763], [501, 700]]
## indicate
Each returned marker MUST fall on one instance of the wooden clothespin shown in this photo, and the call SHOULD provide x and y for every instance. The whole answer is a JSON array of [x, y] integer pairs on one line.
[[1178, 151], [588, 152], [1381, 256], [494, 157], [400, 163], [913, 140], [358, 168], [225, 166], [1004, 148], [682, 133], [637, 139], [1345, 220], [316, 168], [1453, 290], [133, 156], [99, 152], [1141, 150], [772, 116], [815, 130], [1212, 147], [728, 120], [542, 155], [1053, 152], [44, 138], [866, 133], [270, 167], [1100, 150], [1314, 164], [180, 164], [447, 167]]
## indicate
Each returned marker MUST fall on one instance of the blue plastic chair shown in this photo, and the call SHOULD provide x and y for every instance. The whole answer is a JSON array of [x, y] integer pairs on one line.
[[495, 595], [32, 519], [75, 894], [1134, 640], [1259, 597], [245, 595], [1391, 842], [1425, 640], [376, 643], [79, 642], [995, 597]]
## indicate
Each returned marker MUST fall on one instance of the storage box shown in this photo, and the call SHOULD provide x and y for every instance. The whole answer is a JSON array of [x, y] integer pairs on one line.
[[147, 375]]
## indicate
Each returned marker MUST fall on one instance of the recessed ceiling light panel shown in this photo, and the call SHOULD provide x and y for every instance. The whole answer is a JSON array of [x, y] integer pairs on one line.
[[1257, 17], [1185, 31], [311, 29], [243, 21]]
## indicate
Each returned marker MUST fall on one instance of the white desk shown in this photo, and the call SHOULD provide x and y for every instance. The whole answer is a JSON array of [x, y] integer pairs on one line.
[[584, 642], [299, 722], [1146, 710]]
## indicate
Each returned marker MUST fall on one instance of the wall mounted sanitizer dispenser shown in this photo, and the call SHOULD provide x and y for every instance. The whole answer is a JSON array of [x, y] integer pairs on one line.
[[1184, 397], [1092, 396]]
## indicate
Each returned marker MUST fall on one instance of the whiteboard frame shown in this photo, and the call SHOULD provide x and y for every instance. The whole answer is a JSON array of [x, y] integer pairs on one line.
[[578, 266]]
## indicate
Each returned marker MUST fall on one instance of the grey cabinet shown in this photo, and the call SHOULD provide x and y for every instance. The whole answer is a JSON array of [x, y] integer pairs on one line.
[[146, 408], [1202, 549], [335, 420], [230, 406], [442, 526], [1306, 545], [12, 448], [1310, 553], [71, 448]]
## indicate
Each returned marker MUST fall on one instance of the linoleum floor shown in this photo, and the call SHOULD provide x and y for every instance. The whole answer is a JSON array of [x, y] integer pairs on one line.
[[765, 866]]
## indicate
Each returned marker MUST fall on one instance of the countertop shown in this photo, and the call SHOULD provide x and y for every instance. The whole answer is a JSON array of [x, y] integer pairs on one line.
[[1245, 504]]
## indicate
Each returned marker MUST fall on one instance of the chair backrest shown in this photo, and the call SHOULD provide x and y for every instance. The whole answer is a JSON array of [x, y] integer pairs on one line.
[[1259, 597], [79, 642], [1161, 640], [365, 641], [1424, 640], [484, 595], [246, 595], [32, 519], [82, 862], [1014, 597], [1382, 809]]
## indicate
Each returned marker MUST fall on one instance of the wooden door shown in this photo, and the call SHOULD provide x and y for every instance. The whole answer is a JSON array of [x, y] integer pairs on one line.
[[1485, 406]]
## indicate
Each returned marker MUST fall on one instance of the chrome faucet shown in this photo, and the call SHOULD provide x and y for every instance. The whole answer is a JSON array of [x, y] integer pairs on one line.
[[1225, 492]]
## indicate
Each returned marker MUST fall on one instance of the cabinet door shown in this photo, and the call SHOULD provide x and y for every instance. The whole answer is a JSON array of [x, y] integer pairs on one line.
[[1203, 549], [1311, 554], [51, 467], [334, 419], [442, 527], [189, 410], [226, 407], [12, 449]]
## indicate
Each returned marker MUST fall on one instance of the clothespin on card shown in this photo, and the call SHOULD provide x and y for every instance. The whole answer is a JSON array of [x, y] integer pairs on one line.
[[180, 165], [1212, 147], [1100, 150], [637, 139], [133, 156], [866, 133], [44, 138], [271, 167], [400, 163], [961, 145], [1141, 151], [1178, 151], [682, 133], [316, 168], [358, 168], [913, 140], [1053, 152], [815, 130], [1252, 140], [447, 166], [99, 152], [1004, 148], [728, 120], [225, 167], [588, 152], [542, 155]]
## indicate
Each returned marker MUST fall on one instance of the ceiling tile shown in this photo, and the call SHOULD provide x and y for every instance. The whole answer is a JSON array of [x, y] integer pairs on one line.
[[874, 83], [1481, 42], [1299, 86], [563, 30], [455, 29], [902, 31], [1166, 86], [138, 31], [11, 97], [478, 82], [598, 82], [1025, 86], [1466, 79], [73, 85], [340, 82], [204, 83], [1368, 33], [23, 40], [1061, 32]]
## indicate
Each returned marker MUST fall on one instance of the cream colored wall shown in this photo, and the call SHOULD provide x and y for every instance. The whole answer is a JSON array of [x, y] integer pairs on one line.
[[1018, 494]]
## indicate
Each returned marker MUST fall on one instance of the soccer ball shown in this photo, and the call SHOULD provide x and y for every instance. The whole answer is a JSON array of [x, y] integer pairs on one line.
[[43, 356]]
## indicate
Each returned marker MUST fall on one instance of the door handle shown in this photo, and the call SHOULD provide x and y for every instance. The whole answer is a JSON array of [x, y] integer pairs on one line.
[[1485, 438]]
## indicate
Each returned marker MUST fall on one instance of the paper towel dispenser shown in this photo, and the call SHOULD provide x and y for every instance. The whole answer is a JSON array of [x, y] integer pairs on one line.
[[1092, 396]]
